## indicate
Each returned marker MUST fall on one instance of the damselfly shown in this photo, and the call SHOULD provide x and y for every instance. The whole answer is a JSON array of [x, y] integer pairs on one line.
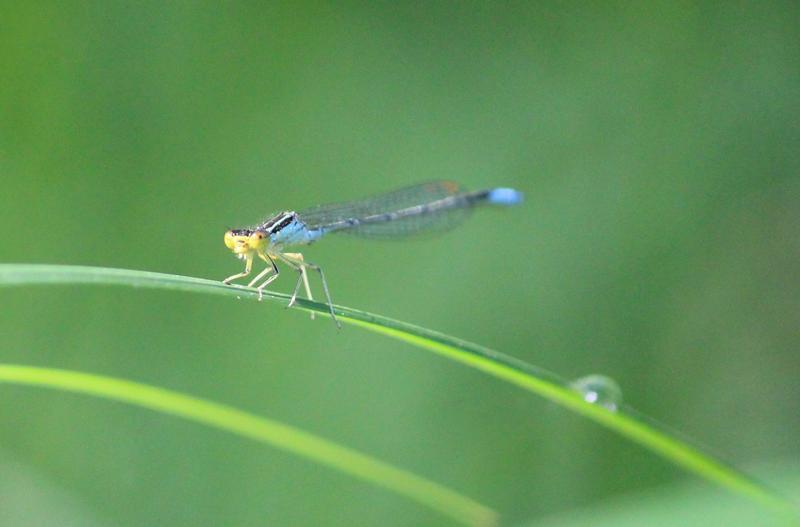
[[433, 206]]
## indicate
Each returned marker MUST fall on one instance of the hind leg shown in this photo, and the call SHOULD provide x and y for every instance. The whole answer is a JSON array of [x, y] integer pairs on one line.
[[296, 260]]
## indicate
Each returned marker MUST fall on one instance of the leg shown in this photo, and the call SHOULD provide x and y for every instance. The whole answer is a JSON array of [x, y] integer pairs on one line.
[[271, 269], [302, 263], [265, 284], [295, 261], [263, 273], [248, 266], [260, 275]]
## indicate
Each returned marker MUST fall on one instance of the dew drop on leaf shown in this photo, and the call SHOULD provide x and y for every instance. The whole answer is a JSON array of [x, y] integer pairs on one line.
[[599, 389]]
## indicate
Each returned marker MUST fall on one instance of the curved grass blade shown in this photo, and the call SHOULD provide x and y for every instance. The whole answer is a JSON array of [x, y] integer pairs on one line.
[[638, 429], [279, 435]]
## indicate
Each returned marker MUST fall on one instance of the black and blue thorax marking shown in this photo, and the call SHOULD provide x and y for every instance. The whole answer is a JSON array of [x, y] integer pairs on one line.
[[285, 228]]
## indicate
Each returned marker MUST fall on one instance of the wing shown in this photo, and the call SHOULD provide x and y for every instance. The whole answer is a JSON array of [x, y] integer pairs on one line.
[[428, 207]]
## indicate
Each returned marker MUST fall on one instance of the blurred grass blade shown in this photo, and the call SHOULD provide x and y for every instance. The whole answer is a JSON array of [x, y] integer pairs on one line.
[[545, 384], [279, 435]]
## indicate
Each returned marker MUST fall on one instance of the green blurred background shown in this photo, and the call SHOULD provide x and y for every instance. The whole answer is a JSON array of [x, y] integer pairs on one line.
[[657, 144]]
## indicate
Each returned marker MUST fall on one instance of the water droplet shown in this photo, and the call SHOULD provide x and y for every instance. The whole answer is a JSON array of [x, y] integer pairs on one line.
[[600, 390]]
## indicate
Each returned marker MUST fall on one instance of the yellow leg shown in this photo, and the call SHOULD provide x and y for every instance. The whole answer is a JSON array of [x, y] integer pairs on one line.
[[297, 261], [261, 275], [248, 266], [272, 268], [265, 284], [301, 268], [292, 261]]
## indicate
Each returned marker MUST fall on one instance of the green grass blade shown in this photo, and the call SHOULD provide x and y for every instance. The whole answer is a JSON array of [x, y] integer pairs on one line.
[[640, 430], [279, 435]]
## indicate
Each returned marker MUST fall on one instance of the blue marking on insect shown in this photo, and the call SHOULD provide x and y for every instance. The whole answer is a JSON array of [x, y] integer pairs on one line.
[[505, 196], [295, 233]]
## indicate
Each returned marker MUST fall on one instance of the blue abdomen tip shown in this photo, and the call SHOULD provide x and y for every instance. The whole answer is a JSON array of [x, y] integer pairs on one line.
[[505, 196]]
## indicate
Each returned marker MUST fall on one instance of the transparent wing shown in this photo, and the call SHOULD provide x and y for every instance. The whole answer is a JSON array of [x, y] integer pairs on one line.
[[427, 207]]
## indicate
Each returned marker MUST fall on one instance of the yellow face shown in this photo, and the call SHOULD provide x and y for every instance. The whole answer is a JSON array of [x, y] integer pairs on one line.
[[245, 241]]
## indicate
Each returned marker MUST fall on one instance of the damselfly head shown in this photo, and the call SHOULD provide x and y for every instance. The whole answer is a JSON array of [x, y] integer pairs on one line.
[[244, 241]]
